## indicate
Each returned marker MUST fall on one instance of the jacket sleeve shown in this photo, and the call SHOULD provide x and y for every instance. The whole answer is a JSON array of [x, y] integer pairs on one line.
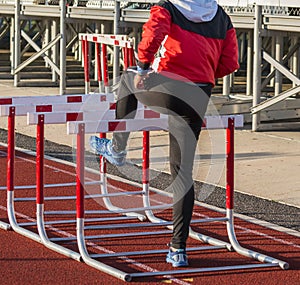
[[228, 61], [154, 32]]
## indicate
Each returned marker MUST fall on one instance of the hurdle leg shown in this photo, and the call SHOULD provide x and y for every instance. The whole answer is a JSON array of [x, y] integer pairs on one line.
[[230, 204], [145, 179], [99, 67], [107, 202], [86, 62], [105, 67], [10, 179], [149, 213], [80, 213], [40, 194], [10, 160]]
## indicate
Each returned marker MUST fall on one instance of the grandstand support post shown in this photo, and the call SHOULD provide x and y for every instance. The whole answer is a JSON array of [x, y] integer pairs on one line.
[[116, 67], [272, 68], [295, 59], [249, 63], [257, 43], [298, 58], [63, 57], [54, 49], [97, 56], [46, 39], [11, 45], [226, 85], [278, 57], [17, 39]]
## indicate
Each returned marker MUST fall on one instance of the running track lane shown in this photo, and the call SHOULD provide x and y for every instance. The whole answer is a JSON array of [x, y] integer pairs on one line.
[[23, 261]]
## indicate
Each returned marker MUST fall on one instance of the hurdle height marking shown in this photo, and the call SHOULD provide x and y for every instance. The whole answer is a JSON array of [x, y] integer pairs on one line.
[[11, 149], [230, 163], [40, 161]]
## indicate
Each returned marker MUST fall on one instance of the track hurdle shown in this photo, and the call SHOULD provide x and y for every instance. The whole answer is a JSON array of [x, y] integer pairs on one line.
[[78, 112], [58, 118], [70, 106], [102, 43], [82, 128], [124, 125], [19, 106], [62, 117], [11, 107], [127, 45]]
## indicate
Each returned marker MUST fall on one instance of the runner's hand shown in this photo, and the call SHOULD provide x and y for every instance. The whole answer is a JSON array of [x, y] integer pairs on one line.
[[139, 81]]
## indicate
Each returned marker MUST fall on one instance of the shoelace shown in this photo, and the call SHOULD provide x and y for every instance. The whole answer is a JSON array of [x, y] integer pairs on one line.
[[101, 145]]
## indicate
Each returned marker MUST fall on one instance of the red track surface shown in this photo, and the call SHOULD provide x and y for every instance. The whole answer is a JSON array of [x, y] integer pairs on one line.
[[24, 261]]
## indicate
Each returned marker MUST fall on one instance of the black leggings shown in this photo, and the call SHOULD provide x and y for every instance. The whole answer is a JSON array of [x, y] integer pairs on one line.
[[186, 105]]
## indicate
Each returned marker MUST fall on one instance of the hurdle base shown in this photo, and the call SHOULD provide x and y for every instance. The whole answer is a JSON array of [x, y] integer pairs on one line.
[[5, 226]]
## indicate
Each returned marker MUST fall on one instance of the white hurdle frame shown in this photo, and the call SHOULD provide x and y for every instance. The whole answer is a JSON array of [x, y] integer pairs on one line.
[[82, 128]]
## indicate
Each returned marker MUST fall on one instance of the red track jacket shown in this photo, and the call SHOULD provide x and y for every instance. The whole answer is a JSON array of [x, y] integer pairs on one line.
[[196, 51]]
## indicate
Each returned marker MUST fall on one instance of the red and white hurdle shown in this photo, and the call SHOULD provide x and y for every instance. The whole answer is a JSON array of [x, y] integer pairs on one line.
[[20, 106], [229, 123], [60, 109], [102, 42]]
